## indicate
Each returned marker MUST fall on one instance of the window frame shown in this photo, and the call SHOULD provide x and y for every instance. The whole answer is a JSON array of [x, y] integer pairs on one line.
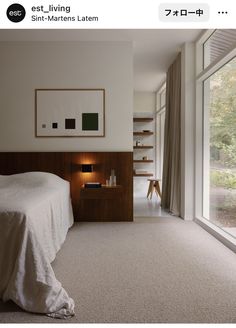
[[202, 74], [160, 111]]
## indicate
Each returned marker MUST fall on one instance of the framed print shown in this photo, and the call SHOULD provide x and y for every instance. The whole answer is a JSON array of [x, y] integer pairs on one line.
[[70, 112]]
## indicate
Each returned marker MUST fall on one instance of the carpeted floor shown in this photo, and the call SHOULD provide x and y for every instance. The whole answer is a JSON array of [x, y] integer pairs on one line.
[[151, 271]]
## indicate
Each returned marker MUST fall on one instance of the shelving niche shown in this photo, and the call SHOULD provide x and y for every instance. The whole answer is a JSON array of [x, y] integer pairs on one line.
[[143, 129]]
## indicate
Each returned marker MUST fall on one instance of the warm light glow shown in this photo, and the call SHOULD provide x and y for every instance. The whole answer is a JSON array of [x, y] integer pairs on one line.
[[87, 168]]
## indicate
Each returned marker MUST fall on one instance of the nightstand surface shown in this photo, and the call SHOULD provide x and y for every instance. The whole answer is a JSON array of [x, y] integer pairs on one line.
[[102, 204]]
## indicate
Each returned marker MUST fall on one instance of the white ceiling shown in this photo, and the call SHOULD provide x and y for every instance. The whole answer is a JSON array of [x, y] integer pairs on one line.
[[154, 50]]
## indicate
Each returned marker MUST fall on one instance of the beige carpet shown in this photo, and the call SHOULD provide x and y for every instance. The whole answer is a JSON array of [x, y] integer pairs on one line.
[[160, 271]]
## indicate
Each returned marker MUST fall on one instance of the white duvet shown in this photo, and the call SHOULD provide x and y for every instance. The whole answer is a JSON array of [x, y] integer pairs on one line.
[[35, 215]]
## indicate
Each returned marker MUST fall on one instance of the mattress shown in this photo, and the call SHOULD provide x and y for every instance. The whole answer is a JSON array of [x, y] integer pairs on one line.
[[35, 215]]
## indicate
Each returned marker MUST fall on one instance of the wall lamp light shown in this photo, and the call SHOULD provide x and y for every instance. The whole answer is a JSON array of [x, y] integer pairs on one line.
[[86, 168]]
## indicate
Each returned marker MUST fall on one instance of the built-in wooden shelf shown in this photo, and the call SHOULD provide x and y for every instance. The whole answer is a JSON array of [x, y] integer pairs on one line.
[[143, 119], [143, 174], [143, 161], [143, 133], [143, 147], [104, 192]]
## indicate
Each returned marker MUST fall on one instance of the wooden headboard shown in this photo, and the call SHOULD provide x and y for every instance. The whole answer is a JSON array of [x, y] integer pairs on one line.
[[67, 166]]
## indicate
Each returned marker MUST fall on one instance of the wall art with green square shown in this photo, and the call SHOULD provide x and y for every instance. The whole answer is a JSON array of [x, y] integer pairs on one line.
[[70, 112]]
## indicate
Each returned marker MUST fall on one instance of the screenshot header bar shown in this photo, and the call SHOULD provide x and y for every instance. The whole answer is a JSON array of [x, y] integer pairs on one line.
[[123, 14]]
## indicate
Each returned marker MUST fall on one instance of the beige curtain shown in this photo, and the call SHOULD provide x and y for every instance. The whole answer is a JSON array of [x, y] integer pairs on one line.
[[171, 160]]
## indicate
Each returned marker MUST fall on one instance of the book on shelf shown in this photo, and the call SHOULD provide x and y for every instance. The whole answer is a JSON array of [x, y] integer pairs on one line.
[[93, 185]]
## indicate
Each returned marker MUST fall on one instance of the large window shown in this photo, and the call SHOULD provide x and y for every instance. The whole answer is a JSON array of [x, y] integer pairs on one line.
[[215, 169], [220, 147], [160, 127]]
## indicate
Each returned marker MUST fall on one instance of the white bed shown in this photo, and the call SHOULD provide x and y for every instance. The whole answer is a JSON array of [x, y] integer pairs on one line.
[[35, 215]]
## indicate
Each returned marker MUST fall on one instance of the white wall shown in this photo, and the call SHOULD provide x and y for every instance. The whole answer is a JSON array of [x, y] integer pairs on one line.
[[144, 102], [144, 106], [26, 66]]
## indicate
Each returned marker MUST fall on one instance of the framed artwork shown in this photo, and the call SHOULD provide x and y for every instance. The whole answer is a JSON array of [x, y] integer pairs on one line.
[[70, 112]]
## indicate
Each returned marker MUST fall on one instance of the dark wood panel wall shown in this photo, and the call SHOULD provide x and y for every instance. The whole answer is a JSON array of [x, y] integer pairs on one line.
[[67, 165]]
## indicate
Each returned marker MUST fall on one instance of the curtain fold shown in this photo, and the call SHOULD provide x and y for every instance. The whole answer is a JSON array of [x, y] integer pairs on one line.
[[171, 196]]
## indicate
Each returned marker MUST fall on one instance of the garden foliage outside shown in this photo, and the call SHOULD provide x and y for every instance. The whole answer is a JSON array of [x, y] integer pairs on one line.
[[223, 145]]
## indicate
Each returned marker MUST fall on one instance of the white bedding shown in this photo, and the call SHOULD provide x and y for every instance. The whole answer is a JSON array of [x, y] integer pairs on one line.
[[35, 215]]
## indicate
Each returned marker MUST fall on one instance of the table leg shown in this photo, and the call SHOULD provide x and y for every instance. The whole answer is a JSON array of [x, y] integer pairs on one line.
[[157, 188], [150, 189]]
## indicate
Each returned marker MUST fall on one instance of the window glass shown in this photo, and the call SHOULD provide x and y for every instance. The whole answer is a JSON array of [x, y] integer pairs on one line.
[[219, 201]]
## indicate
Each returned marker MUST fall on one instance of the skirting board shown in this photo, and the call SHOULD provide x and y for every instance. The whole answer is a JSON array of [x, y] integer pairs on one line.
[[218, 233]]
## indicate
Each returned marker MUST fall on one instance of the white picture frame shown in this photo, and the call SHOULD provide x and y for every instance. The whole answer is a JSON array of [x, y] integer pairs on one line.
[[69, 112]]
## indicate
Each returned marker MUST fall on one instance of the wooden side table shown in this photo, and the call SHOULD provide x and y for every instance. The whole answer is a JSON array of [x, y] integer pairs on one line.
[[154, 185], [101, 204]]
